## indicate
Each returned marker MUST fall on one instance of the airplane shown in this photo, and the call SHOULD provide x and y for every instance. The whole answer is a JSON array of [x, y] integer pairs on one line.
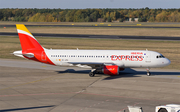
[[109, 62]]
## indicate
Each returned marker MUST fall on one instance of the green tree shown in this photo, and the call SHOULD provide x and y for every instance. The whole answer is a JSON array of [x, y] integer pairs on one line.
[[174, 17], [142, 19], [107, 15], [87, 19], [132, 19], [151, 19], [42, 18], [121, 20], [113, 16], [61, 16], [109, 19], [1, 15], [89, 15], [94, 16], [162, 17]]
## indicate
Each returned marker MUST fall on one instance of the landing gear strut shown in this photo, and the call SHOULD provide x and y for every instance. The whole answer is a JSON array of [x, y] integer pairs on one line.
[[92, 73], [148, 72]]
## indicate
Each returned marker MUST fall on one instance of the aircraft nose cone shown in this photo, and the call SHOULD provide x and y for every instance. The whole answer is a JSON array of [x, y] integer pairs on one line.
[[166, 62]]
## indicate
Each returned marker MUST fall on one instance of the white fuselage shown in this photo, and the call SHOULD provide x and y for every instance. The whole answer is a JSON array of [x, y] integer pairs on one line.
[[106, 61], [122, 58]]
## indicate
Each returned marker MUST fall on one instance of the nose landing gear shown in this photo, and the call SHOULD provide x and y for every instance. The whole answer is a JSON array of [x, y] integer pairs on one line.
[[148, 72]]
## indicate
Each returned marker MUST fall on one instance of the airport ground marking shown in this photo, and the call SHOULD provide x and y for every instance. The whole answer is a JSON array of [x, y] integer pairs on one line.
[[78, 93], [43, 66]]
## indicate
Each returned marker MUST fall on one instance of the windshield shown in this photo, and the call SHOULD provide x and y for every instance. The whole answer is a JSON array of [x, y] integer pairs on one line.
[[160, 56]]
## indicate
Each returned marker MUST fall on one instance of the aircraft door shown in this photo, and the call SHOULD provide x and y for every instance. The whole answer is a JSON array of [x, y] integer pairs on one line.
[[148, 57]]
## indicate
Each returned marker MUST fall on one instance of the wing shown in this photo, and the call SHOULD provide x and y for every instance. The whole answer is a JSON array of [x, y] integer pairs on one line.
[[93, 65]]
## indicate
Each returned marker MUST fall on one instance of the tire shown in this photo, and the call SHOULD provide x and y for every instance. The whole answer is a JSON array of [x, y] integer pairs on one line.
[[91, 74], [148, 73], [162, 110]]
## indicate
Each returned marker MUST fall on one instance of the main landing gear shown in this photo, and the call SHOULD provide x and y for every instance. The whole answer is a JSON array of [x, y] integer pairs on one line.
[[92, 73], [148, 72]]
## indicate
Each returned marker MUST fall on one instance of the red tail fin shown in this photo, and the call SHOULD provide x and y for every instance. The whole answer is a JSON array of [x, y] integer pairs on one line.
[[31, 49], [28, 41]]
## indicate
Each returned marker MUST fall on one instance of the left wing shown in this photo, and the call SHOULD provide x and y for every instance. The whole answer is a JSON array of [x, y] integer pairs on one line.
[[91, 64]]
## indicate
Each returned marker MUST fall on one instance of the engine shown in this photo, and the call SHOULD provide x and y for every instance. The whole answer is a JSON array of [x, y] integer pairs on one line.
[[111, 69]]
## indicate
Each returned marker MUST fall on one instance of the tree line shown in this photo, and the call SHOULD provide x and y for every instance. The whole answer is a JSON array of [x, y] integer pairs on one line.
[[90, 15]]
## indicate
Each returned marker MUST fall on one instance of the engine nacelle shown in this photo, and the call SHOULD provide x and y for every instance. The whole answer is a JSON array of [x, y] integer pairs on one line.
[[111, 70]]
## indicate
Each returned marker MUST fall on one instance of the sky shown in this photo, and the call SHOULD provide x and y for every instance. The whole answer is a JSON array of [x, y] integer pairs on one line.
[[83, 4]]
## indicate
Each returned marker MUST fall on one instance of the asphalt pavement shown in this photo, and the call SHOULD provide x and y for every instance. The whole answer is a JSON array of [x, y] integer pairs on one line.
[[97, 36], [28, 86]]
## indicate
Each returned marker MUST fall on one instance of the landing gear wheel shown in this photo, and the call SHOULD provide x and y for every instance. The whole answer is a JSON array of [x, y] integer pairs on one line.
[[163, 110], [91, 74], [148, 73]]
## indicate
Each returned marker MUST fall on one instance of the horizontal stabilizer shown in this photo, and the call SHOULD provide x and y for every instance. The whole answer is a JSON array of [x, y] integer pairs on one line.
[[29, 55], [20, 54]]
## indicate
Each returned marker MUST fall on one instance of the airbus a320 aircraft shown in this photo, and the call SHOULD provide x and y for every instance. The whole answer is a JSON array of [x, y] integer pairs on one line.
[[105, 61]]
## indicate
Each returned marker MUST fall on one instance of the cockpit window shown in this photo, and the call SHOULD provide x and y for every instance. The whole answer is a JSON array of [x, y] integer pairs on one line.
[[160, 56]]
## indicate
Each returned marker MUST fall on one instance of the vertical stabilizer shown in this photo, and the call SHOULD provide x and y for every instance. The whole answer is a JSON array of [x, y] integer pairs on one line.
[[27, 40], [31, 49]]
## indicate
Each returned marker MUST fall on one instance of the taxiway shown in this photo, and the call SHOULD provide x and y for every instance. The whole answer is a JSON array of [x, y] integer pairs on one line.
[[97, 36], [27, 86]]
